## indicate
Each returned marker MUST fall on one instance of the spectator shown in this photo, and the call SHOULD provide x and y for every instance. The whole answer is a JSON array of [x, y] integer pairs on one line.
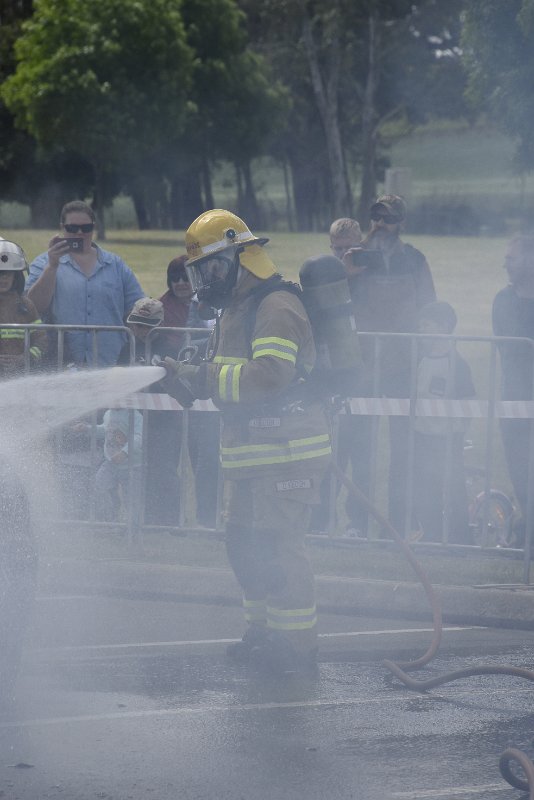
[[513, 315], [16, 309], [162, 488], [439, 443], [181, 309], [118, 471], [345, 233], [387, 292], [176, 302], [354, 432], [78, 283]]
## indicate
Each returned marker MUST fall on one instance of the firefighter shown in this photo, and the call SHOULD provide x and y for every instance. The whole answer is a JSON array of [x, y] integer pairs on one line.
[[275, 444]]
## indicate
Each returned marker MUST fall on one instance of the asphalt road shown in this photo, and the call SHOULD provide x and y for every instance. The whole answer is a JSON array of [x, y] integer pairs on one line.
[[126, 698]]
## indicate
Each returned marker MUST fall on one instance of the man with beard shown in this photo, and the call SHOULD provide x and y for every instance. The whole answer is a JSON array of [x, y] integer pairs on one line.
[[388, 289]]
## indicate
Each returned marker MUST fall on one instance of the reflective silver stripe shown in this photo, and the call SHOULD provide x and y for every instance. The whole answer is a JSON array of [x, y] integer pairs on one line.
[[274, 347], [294, 450], [274, 350], [229, 382], [11, 333], [223, 243], [295, 619], [255, 610], [228, 360]]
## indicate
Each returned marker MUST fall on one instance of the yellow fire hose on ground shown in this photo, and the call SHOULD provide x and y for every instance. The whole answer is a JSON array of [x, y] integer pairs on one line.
[[400, 669]]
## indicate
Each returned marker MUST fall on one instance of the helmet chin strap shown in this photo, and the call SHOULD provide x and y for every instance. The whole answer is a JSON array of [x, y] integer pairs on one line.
[[240, 272]]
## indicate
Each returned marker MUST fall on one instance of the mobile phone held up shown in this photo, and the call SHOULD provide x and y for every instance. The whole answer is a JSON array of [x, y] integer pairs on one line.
[[74, 243], [367, 258]]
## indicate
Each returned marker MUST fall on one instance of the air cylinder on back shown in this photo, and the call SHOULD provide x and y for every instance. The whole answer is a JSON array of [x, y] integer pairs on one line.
[[326, 296]]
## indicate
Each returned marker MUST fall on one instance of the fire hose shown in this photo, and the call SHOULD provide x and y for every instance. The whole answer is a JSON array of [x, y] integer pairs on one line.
[[400, 669]]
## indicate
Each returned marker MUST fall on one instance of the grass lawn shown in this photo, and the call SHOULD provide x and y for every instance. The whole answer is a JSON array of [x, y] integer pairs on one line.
[[467, 270]]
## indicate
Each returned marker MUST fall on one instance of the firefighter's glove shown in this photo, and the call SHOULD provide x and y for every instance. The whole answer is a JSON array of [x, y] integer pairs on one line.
[[182, 381]]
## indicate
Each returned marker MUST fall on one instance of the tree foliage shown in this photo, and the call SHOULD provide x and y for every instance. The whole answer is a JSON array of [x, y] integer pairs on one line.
[[147, 96], [498, 41], [350, 66], [107, 79]]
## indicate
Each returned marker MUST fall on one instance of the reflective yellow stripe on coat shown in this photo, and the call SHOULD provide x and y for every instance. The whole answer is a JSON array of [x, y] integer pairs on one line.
[[229, 382], [252, 455], [255, 610], [275, 346], [11, 333]]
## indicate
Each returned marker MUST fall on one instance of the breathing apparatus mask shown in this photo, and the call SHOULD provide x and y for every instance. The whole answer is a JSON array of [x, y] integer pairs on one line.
[[214, 277]]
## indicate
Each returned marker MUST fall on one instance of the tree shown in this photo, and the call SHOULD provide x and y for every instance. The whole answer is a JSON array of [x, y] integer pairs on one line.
[[498, 41], [107, 80], [359, 64], [235, 105]]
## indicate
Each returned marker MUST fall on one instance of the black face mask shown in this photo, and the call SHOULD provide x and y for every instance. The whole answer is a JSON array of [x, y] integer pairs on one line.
[[214, 277]]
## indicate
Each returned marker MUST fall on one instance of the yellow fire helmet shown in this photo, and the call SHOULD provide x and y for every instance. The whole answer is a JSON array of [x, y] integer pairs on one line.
[[217, 230]]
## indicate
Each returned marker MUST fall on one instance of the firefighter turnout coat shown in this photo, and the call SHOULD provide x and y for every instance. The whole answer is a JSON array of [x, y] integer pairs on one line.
[[275, 448]]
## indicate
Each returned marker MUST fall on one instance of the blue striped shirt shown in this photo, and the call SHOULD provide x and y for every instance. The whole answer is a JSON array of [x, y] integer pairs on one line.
[[103, 298]]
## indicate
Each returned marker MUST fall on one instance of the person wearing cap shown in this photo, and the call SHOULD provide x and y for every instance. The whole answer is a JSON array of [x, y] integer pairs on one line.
[[78, 283], [442, 373], [163, 428], [387, 292], [275, 444]]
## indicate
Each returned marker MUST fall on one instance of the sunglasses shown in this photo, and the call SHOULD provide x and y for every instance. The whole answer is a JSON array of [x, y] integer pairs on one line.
[[179, 276], [87, 227], [389, 219]]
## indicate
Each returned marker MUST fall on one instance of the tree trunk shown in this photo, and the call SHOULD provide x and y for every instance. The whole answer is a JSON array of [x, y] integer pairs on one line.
[[176, 206], [45, 206], [239, 186], [209, 200], [186, 197], [290, 216], [325, 87], [369, 125], [98, 203], [308, 193], [140, 209], [250, 210]]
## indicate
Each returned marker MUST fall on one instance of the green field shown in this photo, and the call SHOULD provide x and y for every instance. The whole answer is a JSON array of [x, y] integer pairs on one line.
[[467, 271]]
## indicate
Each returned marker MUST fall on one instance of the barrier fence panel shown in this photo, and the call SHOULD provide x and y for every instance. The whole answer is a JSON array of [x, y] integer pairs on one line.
[[396, 399]]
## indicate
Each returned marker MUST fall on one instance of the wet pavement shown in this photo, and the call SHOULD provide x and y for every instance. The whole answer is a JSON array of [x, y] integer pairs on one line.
[[127, 698]]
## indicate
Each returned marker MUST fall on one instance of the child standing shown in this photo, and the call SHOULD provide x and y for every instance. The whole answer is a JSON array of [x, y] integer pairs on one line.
[[118, 471], [442, 374], [16, 309]]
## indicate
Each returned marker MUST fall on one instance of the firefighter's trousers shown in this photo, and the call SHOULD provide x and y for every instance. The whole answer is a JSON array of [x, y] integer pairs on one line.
[[265, 533]]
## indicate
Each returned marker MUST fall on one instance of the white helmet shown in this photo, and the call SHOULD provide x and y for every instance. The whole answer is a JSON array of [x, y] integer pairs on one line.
[[12, 257]]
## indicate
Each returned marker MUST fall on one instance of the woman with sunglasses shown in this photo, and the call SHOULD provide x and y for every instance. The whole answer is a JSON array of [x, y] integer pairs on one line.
[[176, 302], [181, 310], [78, 283]]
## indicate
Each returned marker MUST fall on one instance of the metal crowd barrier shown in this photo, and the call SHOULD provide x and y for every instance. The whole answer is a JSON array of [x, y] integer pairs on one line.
[[486, 408]]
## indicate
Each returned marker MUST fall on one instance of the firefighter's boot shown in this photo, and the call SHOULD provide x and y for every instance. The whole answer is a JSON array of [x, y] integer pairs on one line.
[[277, 656], [253, 637]]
